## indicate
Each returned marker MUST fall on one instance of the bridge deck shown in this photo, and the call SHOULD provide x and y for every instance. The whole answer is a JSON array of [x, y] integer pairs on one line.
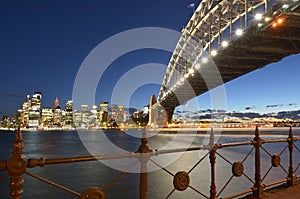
[[256, 48]]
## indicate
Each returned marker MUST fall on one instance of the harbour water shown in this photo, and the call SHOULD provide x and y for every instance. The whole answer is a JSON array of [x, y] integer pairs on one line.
[[84, 175]]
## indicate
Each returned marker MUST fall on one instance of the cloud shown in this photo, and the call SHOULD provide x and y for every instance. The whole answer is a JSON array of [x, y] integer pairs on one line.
[[250, 107], [8, 96], [292, 104], [274, 105]]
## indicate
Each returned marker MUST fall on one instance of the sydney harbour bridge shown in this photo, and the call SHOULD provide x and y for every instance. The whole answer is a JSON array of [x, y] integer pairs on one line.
[[223, 40]]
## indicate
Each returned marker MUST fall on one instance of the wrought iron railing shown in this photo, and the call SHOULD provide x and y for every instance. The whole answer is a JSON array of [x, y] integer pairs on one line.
[[18, 165]]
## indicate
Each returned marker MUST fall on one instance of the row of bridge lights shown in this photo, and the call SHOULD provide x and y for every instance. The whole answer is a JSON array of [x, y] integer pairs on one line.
[[239, 32]]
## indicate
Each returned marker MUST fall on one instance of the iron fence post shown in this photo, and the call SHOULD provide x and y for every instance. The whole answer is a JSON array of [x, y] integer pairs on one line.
[[258, 186], [16, 167], [291, 175], [143, 150], [212, 158]]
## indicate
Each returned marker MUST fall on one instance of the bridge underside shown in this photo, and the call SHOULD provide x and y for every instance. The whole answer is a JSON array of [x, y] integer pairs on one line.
[[254, 50]]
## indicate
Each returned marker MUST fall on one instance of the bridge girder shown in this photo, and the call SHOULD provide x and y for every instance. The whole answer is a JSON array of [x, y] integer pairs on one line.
[[259, 46]]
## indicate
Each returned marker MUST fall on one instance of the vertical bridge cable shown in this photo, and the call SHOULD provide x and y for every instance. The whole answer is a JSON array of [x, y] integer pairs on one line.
[[53, 184]]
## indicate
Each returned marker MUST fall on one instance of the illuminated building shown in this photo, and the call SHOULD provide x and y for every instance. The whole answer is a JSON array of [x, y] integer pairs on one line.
[[69, 113], [103, 113], [57, 113], [55, 104], [35, 110], [120, 115], [85, 114], [93, 116], [25, 111], [47, 117]]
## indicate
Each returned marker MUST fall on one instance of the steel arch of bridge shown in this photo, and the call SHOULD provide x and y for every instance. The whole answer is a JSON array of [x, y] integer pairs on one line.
[[212, 23]]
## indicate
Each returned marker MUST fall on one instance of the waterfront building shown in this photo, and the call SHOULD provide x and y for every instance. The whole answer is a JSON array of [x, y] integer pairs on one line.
[[103, 113], [47, 117], [25, 111], [35, 110], [120, 115], [18, 118], [77, 118], [114, 109], [93, 116], [55, 104], [57, 116], [69, 113], [85, 116]]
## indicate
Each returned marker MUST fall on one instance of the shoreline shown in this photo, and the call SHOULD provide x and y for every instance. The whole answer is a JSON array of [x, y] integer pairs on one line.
[[264, 131]]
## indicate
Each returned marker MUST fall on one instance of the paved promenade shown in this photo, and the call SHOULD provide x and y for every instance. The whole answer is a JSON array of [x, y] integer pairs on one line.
[[284, 193]]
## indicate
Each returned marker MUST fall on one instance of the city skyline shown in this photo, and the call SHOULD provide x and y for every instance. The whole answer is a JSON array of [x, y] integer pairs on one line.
[[44, 44]]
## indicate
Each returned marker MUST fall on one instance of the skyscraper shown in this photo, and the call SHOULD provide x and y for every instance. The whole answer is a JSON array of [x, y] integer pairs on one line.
[[103, 113], [35, 110], [25, 111], [69, 113]]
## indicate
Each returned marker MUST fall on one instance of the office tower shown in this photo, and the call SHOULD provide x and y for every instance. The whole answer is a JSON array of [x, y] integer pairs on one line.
[[35, 110], [69, 113], [103, 113], [57, 113], [25, 111], [93, 115], [55, 104], [47, 117]]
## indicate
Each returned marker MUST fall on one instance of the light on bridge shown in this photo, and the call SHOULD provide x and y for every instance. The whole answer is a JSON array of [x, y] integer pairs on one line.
[[239, 32], [191, 71], [186, 75], [182, 79], [267, 19], [224, 43], [213, 53], [258, 16], [205, 60], [197, 66], [280, 21], [285, 6]]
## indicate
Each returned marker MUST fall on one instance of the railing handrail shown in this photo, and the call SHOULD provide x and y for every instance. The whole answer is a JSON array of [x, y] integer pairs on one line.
[[144, 154]]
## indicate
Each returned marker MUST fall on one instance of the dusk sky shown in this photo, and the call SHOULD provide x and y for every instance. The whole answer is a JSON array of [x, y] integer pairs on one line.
[[43, 44]]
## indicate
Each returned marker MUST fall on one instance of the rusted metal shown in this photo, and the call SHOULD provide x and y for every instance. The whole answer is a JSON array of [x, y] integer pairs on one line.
[[144, 151], [212, 158], [237, 169], [181, 180], [291, 175], [93, 193], [275, 160], [18, 163], [52, 183], [257, 142], [16, 167], [275, 183]]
